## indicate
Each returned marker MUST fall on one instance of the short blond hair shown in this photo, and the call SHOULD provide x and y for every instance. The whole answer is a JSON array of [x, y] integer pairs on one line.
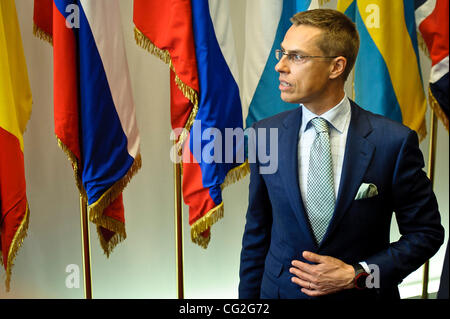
[[339, 37]]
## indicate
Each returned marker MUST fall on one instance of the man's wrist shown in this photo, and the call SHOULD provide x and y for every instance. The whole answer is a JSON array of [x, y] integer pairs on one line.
[[350, 277], [360, 276]]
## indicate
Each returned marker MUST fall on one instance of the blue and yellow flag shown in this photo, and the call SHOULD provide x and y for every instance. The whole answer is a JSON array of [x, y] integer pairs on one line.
[[387, 71]]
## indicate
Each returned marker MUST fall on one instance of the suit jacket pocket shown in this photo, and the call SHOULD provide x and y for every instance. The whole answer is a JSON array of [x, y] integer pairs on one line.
[[273, 266]]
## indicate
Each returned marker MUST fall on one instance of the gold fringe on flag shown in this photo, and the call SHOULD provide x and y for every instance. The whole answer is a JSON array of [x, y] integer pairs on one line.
[[422, 131], [210, 218], [434, 104], [205, 223], [164, 55], [96, 209], [76, 167], [41, 34], [421, 44], [119, 236], [236, 174], [16, 243]]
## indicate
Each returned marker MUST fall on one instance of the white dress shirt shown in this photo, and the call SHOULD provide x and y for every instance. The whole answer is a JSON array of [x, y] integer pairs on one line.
[[338, 119]]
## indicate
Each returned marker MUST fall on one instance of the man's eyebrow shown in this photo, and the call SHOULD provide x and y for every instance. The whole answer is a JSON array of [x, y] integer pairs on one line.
[[292, 51], [299, 52]]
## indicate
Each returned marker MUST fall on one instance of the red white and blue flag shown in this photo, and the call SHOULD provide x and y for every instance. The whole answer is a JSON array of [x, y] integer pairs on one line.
[[94, 112], [195, 39], [432, 23]]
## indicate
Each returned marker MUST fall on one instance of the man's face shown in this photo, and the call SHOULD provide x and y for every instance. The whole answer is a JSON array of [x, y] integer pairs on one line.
[[304, 81]]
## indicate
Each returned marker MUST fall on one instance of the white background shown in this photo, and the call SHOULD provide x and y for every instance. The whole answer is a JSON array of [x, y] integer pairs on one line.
[[143, 266]]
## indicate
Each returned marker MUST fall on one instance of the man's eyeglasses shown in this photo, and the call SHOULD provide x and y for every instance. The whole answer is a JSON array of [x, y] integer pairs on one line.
[[298, 58]]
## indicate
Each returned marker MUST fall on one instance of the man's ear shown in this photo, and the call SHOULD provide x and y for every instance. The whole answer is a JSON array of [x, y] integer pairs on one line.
[[338, 67]]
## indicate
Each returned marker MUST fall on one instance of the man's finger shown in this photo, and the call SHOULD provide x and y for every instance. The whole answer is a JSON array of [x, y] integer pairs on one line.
[[303, 283], [301, 274], [315, 258], [313, 293], [309, 269]]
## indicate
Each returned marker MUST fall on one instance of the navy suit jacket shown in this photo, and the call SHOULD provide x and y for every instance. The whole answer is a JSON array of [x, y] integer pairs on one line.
[[277, 231]]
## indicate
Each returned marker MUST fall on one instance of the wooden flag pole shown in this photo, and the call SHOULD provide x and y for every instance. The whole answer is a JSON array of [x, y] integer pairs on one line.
[[86, 249], [430, 174], [178, 228]]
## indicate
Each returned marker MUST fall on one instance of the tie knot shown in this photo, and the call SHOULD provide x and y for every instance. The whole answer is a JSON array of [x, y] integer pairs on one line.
[[320, 124]]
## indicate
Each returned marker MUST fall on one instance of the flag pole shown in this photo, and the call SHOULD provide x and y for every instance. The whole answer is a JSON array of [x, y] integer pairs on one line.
[[178, 228], [430, 174], [86, 249]]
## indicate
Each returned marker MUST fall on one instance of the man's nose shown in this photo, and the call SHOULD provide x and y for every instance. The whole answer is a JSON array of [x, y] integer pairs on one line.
[[282, 65]]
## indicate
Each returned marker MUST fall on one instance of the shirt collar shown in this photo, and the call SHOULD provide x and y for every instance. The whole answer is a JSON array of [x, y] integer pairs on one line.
[[336, 116]]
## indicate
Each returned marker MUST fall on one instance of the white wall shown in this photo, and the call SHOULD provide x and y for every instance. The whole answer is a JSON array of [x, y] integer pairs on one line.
[[143, 266]]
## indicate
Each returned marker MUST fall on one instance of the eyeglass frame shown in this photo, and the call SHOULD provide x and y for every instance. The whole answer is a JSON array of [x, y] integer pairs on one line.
[[302, 57]]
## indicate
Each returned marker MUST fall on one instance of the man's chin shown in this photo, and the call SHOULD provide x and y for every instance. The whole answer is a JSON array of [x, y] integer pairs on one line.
[[289, 99]]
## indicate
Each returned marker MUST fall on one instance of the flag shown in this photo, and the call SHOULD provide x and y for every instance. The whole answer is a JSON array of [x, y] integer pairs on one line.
[[94, 112], [43, 19], [174, 47], [387, 78], [432, 24], [265, 27], [195, 39], [15, 111]]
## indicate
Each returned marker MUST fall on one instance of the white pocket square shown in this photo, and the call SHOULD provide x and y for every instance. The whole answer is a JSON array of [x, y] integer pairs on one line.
[[366, 190]]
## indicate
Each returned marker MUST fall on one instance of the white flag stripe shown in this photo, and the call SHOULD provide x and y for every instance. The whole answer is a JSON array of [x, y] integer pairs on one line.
[[439, 70]]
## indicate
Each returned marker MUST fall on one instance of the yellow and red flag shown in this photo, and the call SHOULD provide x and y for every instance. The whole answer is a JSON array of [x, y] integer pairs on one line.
[[15, 110]]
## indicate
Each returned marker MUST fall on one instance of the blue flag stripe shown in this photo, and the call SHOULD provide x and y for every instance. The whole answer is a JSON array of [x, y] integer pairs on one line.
[[373, 86], [219, 101]]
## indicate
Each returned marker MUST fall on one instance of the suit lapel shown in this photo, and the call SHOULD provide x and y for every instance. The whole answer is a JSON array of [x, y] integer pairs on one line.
[[358, 154], [288, 168]]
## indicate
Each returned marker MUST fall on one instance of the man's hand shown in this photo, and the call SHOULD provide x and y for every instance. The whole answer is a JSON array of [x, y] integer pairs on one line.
[[328, 276]]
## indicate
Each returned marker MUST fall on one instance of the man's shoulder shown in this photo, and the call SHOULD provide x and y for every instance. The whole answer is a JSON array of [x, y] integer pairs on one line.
[[277, 120], [382, 123]]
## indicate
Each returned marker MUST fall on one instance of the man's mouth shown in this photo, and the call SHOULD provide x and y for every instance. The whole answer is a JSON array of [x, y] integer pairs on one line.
[[284, 85]]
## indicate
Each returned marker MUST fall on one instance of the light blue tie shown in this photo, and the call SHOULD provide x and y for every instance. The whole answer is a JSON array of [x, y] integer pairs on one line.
[[320, 187]]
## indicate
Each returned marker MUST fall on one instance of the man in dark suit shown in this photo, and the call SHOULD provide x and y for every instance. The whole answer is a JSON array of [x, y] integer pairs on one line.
[[319, 226]]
